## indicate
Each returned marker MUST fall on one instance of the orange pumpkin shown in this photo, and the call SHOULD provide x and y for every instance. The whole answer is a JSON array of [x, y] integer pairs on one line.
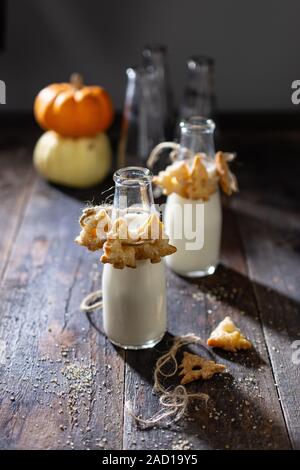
[[72, 109]]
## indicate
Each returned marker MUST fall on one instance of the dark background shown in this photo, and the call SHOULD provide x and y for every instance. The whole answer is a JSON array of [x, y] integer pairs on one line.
[[44, 275], [255, 45]]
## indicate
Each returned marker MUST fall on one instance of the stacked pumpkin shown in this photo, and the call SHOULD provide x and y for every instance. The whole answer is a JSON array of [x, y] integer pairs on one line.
[[75, 151]]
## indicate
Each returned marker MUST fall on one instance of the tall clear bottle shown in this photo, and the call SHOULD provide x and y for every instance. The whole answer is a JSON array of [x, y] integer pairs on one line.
[[199, 93], [134, 300], [194, 226], [142, 124], [155, 58]]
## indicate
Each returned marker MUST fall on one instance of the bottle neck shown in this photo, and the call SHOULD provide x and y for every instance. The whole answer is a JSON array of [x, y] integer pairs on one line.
[[133, 191], [201, 75], [197, 136], [199, 95], [155, 56]]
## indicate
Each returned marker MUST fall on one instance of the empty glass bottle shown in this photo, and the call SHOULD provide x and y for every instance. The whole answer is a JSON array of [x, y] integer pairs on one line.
[[155, 58], [199, 94], [142, 125]]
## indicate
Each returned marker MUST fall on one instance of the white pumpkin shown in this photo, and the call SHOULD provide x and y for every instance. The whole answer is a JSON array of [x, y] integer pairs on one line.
[[79, 163]]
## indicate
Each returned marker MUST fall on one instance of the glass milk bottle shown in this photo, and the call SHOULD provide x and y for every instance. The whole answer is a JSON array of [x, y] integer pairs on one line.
[[134, 299], [194, 226]]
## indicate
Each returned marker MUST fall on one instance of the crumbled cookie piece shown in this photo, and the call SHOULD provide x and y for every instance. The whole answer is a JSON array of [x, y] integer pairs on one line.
[[118, 254], [227, 336], [196, 182], [149, 242], [180, 170], [154, 251], [227, 179], [201, 185], [195, 367], [122, 246], [95, 223], [174, 179]]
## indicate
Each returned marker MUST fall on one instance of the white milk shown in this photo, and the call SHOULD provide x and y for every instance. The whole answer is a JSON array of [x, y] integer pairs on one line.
[[134, 299], [200, 261], [135, 220], [134, 304]]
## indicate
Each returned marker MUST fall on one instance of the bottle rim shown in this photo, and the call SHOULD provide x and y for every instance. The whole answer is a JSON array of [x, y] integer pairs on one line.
[[140, 72], [197, 123], [197, 60], [132, 176]]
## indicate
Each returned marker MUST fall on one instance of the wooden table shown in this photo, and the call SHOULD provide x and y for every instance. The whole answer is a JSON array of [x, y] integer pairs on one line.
[[63, 385]]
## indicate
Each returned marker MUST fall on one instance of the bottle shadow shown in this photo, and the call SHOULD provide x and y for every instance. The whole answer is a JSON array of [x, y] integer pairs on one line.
[[234, 416], [248, 297]]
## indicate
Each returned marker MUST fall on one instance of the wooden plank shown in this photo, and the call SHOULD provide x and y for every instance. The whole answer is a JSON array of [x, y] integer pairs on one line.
[[270, 232], [61, 381], [16, 179], [243, 411], [41, 330]]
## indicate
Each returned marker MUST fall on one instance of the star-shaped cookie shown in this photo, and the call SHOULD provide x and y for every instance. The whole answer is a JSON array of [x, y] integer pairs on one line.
[[228, 336], [195, 367]]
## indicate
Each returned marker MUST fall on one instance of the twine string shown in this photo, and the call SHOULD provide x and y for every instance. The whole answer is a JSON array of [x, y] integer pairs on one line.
[[92, 301], [173, 401], [155, 153]]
